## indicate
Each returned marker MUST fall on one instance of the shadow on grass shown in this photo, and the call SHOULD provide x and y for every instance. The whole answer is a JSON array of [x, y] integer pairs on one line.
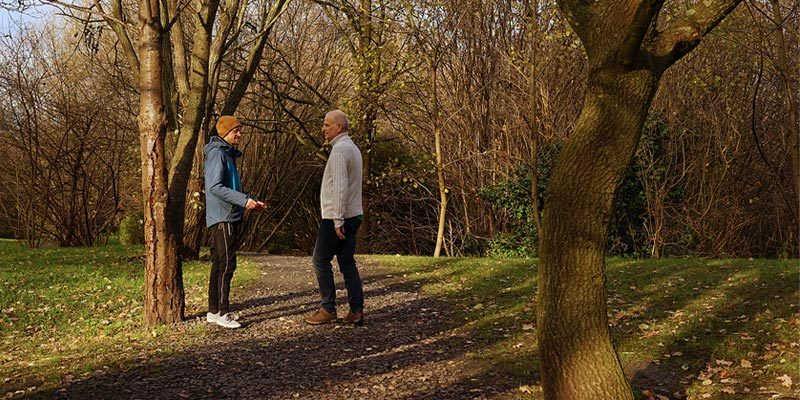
[[404, 351], [670, 351], [722, 320], [402, 348]]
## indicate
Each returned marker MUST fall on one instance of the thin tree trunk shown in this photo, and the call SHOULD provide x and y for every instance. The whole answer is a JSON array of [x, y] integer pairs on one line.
[[533, 26], [163, 289], [442, 190], [658, 224], [362, 236], [254, 58], [186, 152], [578, 359], [195, 210], [792, 119], [192, 222], [368, 27]]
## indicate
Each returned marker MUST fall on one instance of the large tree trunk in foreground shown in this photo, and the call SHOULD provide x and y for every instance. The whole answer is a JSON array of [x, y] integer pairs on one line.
[[627, 54], [577, 357], [163, 287]]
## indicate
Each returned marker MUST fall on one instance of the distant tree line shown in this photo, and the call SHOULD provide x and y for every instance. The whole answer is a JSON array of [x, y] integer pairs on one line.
[[461, 109]]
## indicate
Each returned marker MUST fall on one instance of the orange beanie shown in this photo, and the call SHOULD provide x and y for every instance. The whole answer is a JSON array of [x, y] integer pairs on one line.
[[225, 124]]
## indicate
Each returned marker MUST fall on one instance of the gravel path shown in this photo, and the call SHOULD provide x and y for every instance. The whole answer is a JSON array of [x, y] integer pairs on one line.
[[409, 348]]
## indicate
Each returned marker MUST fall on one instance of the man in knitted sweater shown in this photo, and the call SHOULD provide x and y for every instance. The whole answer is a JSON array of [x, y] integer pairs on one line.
[[342, 214]]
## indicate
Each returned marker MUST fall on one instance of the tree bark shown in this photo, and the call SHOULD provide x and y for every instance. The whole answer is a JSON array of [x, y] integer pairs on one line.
[[577, 356], [627, 56], [163, 289]]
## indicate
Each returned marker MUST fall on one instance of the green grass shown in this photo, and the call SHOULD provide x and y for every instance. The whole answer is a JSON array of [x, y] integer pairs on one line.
[[733, 324], [727, 329], [69, 311]]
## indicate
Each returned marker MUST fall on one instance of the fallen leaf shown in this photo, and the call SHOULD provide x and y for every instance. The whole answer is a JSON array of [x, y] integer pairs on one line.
[[746, 364], [785, 380], [526, 389]]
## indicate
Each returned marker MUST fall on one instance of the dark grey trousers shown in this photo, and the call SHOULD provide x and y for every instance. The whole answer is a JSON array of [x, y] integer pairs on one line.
[[329, 245]]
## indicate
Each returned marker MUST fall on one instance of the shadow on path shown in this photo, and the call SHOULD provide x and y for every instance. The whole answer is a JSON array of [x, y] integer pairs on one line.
[[409, 348]]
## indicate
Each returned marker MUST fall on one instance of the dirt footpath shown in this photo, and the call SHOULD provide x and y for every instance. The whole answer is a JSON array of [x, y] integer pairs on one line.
[[409, 348]]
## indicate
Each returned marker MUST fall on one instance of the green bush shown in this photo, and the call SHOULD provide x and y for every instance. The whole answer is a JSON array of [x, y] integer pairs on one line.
[[507, 245], [514, 197], [131, 229]]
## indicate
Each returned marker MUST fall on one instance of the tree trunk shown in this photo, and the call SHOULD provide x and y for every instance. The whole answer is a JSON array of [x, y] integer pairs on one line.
[[367, 130], [577, 357], [534, 162], [442, 191], [195, 209], [533, 28], [367, 126], [194, 118], [792, 127], [368, 23], [163, 289]]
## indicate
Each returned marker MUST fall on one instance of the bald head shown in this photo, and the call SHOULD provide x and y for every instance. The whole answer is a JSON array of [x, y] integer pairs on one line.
[[334, 124]]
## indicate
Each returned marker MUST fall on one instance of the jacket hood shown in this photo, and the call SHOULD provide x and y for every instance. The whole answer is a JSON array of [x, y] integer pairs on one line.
[[218, 142]]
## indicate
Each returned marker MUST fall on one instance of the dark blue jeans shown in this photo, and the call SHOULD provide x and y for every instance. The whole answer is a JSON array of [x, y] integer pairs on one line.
[[329, 245]]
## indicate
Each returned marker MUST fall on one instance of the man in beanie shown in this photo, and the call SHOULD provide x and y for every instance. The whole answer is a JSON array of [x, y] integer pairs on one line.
[[342, 214], [225, 204]]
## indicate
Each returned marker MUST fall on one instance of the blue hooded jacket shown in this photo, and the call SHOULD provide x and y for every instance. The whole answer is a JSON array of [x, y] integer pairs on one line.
[[225, 200]]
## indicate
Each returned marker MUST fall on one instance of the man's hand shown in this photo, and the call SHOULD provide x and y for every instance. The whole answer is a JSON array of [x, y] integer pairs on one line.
[[340, 232], [255, 205]]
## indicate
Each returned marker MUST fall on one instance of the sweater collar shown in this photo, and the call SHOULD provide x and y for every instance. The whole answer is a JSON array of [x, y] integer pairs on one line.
[[339, 138]]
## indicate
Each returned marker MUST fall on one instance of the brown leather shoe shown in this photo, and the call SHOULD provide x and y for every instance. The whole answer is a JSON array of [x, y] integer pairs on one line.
[[321, 316], [356, 318]]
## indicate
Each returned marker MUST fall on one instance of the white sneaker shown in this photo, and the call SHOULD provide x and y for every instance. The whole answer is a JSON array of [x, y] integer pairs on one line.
[[212, 317], [228, 321]]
